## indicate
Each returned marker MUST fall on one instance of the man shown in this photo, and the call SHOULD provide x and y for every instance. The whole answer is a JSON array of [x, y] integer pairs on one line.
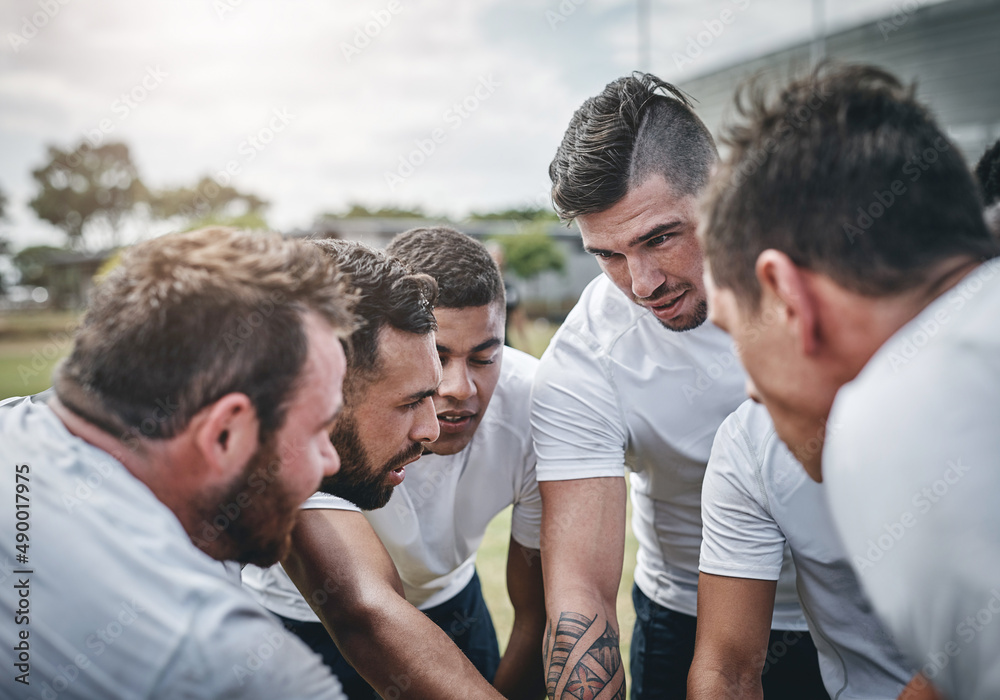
[[852, 248], [194, 409], [634, 378], [435, 520], [755, 498]]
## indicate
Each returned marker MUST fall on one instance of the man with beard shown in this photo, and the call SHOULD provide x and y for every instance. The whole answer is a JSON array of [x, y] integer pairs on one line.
[[635, 379], [194, 409], [346, 587]]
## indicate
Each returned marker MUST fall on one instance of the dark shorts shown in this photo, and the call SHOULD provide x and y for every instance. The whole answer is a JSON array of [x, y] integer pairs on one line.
[[663, 648], [465, 618]]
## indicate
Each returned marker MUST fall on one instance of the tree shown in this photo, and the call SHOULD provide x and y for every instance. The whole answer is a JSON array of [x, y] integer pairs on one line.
[[531, 253], [87, 187], [522, 214], [207, 201], [356, 210]]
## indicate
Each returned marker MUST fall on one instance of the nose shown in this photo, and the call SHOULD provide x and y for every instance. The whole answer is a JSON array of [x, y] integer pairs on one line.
[[331, 460], [425, 424], [646, 275], [752, 391], [456, 382]]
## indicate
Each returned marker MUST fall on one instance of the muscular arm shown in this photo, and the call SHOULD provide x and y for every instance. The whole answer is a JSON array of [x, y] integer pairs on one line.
[[389, 642], [583, 545], [734, 621], [520, 675]]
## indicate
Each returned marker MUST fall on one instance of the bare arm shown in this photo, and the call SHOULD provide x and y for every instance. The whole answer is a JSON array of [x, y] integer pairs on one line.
[[920, 689], [734, 621], [520, 675], [389, 642], [583, 545]]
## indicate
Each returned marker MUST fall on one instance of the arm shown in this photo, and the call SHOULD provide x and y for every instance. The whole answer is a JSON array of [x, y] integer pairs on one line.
[[920, 689], [583, 545], [390, 642], [520, 674], [734, 620]]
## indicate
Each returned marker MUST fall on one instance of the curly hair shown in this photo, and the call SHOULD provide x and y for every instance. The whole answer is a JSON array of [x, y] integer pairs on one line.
[[461, 265], [638, 126], [988, 174]]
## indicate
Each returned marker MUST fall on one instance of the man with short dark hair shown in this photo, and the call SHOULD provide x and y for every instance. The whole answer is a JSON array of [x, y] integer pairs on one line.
[[435, 520], [635, 379], [847, 263], [194, 409]]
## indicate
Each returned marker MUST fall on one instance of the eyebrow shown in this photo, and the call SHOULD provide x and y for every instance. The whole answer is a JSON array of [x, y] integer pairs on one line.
[[420, 395], [491, 343], [641, 238]]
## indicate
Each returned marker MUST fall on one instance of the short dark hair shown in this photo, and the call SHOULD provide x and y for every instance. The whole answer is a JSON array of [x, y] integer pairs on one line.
[[462, 267], [388, 294], [988, 175], [846, 173], [639, 125], [187, 318]]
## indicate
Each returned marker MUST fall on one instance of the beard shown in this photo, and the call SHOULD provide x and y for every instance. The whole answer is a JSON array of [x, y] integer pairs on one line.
[[697, 317], [359, 481], [249, 524]]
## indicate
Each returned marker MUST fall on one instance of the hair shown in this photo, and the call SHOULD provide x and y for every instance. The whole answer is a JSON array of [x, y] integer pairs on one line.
[[847, 174], [639, 125], [988, 175], [465, 272], [187, 318], [388, 294]]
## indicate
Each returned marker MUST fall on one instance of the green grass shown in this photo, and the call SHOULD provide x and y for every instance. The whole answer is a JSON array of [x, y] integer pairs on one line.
[[30, 346]]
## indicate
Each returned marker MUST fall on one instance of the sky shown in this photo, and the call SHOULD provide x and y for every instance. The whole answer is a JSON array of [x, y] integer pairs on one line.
[[451, 106]]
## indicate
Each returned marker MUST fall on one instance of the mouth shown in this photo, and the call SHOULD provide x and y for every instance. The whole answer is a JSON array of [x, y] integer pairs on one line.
[[396, 476], [668, 309], [455, 421]]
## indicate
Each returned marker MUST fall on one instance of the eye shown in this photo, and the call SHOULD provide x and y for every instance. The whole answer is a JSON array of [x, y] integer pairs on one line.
[[603, 254], [657, 240], [482, 363], [414, 405]]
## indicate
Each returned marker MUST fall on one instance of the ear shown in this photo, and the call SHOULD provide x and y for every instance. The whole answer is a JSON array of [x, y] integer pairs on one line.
[[227, 434], [783, 282]]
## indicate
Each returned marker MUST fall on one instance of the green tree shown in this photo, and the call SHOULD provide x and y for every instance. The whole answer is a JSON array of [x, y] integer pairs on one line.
[[207, 202], [531, 253], [515, 214], [87, 187], [356, 210]]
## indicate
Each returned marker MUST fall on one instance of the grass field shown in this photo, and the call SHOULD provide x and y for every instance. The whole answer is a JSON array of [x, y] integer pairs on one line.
[[31, 345]]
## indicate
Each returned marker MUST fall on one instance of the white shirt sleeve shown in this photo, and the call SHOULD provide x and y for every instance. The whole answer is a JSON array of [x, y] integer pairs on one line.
[[526, 518], [739, 536], [576, 419], [236, 650], [326, 501]]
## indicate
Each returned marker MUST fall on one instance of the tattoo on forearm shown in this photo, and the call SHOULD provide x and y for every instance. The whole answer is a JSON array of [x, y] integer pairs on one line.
[[582, 659]]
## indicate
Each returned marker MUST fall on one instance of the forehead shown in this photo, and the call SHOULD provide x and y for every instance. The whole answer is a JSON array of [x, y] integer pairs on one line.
[[652, 203], [407, 364], [461, 329]]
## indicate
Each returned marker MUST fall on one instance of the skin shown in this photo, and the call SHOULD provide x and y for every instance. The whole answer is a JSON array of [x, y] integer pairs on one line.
[[389, 641], [647, 245], [809, 336], [734, 620], [199, 469], [470, 346]]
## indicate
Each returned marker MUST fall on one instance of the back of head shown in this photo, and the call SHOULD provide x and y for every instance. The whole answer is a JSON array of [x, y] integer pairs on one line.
[[388, 294], [638, 126], [188, 318], [846, 173], [465, 272], [988, 174]]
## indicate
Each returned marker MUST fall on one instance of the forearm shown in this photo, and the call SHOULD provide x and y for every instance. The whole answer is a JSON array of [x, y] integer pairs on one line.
[[581, 650], [520, 674], [711, 679], [399, 647]]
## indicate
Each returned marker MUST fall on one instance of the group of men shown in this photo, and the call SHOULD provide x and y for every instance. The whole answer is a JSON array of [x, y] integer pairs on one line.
[[246, 398]]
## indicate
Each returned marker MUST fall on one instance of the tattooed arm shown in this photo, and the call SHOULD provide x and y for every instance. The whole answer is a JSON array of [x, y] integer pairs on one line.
[[583, 544]]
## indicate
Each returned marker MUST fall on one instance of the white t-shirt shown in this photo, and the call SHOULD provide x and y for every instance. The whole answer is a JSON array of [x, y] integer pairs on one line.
[[614, 389], [756, 500], [119, 603], [435, 521], [912, 467]]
